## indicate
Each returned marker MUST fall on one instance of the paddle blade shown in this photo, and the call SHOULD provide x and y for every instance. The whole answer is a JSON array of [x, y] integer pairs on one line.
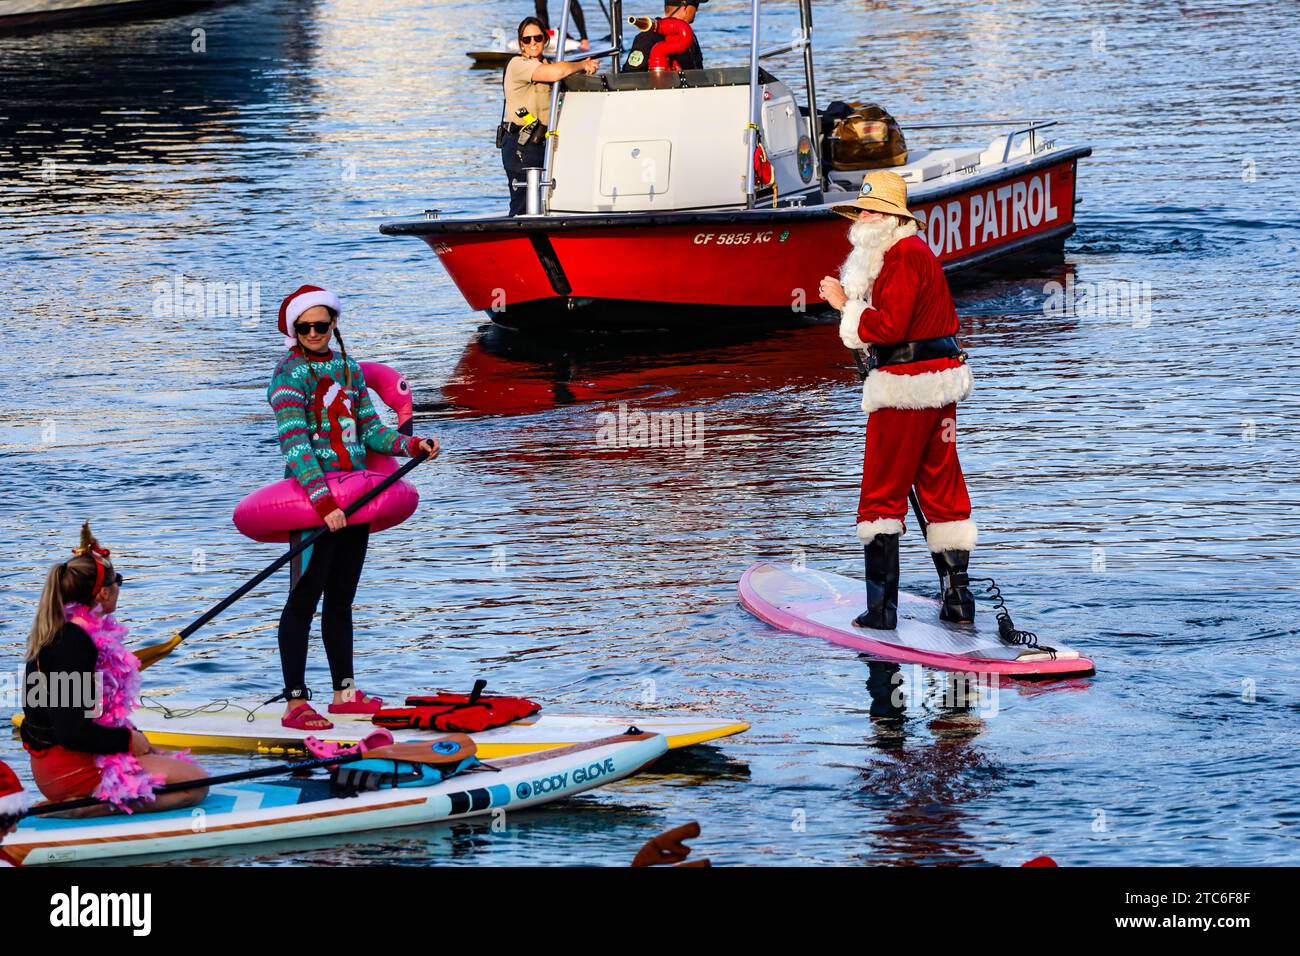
[[450, 749], [156, 652]]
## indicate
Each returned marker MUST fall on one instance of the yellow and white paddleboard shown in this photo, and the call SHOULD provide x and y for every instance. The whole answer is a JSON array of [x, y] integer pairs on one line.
[[224, 726]]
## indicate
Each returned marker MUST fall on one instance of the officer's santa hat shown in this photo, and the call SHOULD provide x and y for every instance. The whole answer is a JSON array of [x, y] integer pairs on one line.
[[14, 801], [298, 302]]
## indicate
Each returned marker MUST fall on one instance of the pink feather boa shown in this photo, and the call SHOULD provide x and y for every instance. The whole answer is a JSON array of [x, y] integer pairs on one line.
[[122, 778]]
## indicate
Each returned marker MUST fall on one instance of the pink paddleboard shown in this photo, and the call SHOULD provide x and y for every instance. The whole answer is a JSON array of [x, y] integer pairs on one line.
[[821, 604]]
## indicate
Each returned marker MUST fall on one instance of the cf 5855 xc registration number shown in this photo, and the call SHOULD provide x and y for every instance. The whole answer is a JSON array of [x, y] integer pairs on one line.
[[733, 238]]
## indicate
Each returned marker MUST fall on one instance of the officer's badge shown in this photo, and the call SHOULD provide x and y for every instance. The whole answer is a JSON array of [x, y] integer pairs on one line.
[[636, 59]]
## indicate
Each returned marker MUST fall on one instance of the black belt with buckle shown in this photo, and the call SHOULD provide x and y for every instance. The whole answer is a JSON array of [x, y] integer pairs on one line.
[[921, 350]]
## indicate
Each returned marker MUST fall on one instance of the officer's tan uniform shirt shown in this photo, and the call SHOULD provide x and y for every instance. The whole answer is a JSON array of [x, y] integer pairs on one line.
[[522, 91]]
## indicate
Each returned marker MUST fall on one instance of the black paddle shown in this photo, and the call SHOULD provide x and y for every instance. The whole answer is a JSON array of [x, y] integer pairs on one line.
[[156, 652], [860, 359], [405, 753]]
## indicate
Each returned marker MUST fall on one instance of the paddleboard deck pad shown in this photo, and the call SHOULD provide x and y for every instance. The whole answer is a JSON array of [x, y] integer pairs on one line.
[[224, 726], [260, 811], [822, 604]]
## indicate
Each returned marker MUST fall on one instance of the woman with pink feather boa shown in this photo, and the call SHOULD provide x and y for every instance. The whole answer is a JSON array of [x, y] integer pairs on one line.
[[80, 688]]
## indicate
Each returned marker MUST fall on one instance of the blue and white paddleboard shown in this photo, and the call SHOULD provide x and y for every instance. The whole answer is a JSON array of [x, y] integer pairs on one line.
[[257, 812]]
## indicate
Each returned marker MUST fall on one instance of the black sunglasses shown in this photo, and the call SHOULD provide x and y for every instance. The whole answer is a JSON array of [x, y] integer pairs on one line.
[[117, 579], [535, 38], [320, 328]]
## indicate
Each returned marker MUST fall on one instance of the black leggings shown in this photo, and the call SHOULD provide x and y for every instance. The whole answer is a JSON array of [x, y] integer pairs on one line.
[[334, 570]]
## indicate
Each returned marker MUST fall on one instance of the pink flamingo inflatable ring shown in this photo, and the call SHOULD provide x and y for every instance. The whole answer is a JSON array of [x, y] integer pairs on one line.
[[271, 513]]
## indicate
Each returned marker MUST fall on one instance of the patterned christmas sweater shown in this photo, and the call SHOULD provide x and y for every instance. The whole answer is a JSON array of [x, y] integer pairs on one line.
[[325, 426]]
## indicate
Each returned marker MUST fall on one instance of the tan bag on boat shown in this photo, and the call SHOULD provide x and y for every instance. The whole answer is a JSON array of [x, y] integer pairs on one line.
[[868, 138]]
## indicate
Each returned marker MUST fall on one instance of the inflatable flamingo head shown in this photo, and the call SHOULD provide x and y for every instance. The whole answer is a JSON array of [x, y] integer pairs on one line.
[[392, 389]]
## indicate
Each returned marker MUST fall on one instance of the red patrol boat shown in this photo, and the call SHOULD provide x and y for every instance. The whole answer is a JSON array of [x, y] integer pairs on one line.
[[680, 197]]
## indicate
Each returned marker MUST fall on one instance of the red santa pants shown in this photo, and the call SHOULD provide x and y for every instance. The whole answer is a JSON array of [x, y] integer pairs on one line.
[[913, 447]]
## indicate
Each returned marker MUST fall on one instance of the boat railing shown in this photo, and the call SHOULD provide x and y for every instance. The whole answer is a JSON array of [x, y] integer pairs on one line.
[[1032, 130], [1022, 127], [751, 129], [615, 12], [613, 51], [966, 124], [800, 43]]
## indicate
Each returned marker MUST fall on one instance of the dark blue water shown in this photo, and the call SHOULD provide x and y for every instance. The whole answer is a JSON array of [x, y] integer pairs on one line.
[[1134, 473]]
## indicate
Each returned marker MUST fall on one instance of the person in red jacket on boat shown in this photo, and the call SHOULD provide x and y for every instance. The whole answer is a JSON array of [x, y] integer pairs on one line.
[[667, 42], [894, 301]]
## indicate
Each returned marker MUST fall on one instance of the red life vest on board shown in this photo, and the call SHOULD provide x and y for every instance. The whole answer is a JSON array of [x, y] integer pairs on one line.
[[456, 713]]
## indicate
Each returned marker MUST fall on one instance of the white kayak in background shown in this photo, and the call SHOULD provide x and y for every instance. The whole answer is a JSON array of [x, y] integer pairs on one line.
[[822, 604], [224, 726], [260, 811]]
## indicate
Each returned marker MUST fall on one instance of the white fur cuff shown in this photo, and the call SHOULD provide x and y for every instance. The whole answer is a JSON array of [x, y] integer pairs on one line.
[[849, 319], [15, 804], [867, 530], [928, 390], [952, 535]]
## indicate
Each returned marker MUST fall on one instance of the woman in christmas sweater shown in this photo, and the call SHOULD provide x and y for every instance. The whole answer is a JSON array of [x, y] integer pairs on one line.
[[326, 423], [80, 687]]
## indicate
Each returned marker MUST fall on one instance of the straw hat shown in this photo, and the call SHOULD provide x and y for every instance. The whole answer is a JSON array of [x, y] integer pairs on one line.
[[881, 192]]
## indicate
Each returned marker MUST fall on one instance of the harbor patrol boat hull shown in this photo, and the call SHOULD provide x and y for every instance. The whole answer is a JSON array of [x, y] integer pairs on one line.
[[648, 269]]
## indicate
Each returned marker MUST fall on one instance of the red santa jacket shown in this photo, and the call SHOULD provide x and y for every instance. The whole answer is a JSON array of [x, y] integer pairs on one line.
[[910, 300]]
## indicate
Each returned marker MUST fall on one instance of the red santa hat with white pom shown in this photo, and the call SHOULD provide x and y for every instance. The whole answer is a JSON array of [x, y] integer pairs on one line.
[[298, 302], [14, 801]]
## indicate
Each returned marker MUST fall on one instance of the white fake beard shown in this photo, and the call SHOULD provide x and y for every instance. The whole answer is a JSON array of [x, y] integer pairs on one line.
[[871, 240]]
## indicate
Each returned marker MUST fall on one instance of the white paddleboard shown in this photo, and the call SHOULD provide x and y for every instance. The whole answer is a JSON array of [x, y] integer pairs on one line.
[[822, 604], [258, 811]]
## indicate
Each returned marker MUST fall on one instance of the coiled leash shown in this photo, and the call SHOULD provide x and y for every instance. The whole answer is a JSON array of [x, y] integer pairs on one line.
[[1007, 629]]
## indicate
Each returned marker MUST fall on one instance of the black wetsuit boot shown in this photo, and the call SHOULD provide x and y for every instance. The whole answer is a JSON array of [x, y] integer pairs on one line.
[[882, 584], [958, 602]]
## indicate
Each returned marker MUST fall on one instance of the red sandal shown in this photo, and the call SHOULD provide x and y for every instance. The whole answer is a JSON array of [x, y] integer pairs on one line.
[[302, 716], [359, 704]]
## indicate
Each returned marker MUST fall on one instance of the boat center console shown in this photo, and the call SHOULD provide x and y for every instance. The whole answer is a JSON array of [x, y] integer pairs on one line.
[[676, 140]]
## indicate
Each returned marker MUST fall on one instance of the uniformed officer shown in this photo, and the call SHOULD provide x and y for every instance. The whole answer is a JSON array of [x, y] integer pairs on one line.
[[527, 85]]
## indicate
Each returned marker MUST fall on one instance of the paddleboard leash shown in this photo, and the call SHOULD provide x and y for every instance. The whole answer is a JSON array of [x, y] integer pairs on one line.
[[1007, 629], [211, 707]]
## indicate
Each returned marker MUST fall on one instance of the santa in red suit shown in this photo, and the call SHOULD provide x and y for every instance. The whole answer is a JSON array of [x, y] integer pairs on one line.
[[894, 302]]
